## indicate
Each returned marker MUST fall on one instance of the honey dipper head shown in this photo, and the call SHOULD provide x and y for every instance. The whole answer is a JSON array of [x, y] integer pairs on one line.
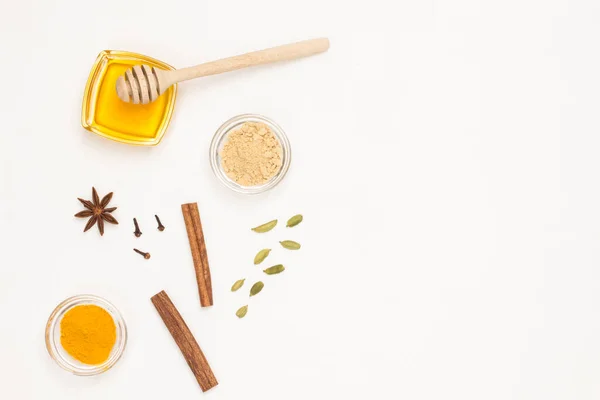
[[138, 85]]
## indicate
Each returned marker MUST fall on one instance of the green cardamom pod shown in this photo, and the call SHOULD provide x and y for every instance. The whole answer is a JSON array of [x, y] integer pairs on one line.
[[237, 285], [261, 255], [256, 288], [241, 313], [290, 245], [275, 269], [265, 227], [295, 220]]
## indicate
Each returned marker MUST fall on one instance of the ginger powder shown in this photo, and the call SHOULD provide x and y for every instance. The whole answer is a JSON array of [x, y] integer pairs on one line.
[[252, 154]]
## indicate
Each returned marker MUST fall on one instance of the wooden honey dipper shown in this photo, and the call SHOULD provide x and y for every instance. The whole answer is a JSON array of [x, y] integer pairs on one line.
[[143, 84]]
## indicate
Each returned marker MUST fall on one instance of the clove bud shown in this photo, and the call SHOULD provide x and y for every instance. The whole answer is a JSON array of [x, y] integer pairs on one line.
[[137, 232], [160, 225], [146, 255]]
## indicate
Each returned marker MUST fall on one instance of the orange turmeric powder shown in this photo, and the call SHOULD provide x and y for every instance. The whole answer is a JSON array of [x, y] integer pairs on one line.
[[88, 333]]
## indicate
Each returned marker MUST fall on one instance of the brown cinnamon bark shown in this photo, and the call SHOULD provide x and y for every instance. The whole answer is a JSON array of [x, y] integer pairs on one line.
[[191, 215], [185, 340]]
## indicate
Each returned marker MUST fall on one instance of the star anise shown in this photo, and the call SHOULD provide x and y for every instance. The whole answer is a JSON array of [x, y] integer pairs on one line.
[[97, 211]]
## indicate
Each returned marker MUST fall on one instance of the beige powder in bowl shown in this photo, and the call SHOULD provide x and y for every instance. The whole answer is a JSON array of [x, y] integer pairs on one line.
[[252, 155]]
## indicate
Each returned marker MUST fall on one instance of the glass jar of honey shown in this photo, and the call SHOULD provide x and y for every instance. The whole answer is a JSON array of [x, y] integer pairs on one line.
[[106, 115]]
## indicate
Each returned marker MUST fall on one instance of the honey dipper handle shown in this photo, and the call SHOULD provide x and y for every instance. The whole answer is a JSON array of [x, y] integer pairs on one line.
[[280, 53]]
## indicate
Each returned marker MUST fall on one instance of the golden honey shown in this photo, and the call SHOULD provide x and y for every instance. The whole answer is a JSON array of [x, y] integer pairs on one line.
[[106, 115]]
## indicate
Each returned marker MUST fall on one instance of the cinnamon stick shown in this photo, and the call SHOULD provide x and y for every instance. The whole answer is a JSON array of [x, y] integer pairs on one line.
[[193, 225], [185, 340]]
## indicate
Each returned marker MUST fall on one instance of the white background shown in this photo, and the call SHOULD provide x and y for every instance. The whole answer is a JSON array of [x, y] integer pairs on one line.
[[445, 159]]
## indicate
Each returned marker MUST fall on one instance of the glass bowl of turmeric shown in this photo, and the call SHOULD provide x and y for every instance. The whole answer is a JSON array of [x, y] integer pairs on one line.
[[86, 335]]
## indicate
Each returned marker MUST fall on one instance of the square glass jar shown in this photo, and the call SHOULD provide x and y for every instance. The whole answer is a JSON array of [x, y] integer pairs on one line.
[[106, 115]]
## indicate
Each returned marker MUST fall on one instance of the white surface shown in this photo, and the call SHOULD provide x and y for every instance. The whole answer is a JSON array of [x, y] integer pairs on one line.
[[445, 158]]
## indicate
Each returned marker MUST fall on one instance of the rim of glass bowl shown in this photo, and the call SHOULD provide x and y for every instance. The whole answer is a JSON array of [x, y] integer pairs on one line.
[[62, 358], [219, 140]]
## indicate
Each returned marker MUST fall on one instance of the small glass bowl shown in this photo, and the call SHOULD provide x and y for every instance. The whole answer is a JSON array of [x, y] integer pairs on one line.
[[220, 138], [64, 359]]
